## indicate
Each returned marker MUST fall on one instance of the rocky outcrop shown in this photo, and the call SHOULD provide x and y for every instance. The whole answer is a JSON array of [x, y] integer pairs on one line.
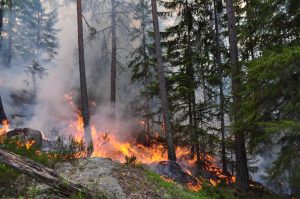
[[94, 174]]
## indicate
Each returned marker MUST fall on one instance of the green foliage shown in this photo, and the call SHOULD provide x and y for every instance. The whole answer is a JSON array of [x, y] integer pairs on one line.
[[34, 31], [7, 173], [19, 147], [271, 90], [64, 151], [33, 192], [271, 109]]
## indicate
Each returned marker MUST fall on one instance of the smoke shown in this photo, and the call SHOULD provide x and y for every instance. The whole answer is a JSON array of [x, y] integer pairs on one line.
[[51, 112]]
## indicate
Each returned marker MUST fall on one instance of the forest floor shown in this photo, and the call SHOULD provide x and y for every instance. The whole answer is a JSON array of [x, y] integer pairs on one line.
[[114, 180]]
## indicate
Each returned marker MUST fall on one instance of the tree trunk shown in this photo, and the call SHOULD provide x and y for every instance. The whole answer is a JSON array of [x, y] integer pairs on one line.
[[83, 86], [146, 81], [219, 64], [2, 112], [42, 174], [34, 84], [113, 57], [1, 21], [38, 33], [9, 32], [251, 42], [162, 85], [242, 175], [191, 84]]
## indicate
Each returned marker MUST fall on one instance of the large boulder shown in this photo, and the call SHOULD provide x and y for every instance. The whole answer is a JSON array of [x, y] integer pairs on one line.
[[26, 135], [94, 174]]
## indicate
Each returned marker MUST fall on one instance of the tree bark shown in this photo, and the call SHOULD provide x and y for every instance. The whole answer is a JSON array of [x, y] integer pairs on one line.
[[162, 85], [2, 112], [146, 77], [222, 107], [9, 32], [242, 174], [42, 174], [113, 56], [1, 21], [83, 86], [191, 84]]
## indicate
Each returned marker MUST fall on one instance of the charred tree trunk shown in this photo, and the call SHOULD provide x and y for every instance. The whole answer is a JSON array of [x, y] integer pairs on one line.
[[242, 174], [162, 85], [222, 106], [2, 112], [42, 174], [113, 57], [83, 86]]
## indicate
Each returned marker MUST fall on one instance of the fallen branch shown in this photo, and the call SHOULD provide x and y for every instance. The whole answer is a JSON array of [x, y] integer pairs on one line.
[[42, 174]]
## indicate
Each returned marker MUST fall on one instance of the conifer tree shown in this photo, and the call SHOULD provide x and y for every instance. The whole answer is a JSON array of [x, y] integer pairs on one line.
[[162, 84], [242, 174]]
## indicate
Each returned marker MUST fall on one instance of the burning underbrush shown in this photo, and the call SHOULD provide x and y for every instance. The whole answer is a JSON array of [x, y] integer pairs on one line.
[[126, 148], [107, 144], [130, 151]]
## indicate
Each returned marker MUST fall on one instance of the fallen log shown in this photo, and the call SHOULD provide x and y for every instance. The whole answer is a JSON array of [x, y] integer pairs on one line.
[[42, 174]]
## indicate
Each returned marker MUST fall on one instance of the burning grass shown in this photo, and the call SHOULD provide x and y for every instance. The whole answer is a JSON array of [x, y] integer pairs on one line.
[[175, 190], [108, 145]]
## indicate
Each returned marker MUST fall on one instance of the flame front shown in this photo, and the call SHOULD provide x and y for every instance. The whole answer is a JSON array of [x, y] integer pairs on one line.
[[107, 145]]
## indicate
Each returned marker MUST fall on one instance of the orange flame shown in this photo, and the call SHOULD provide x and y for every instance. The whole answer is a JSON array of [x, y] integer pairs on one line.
[[5, 127], [27, 144], [108, 145]]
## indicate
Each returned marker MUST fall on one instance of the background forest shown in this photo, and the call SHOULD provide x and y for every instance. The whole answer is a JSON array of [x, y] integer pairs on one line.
[[219, 77]]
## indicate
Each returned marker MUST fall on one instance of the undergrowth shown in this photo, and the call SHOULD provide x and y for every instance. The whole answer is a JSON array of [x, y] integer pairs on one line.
[[176, 191], [64, 151]]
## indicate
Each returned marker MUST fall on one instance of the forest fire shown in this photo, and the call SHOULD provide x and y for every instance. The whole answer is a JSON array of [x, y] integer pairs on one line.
[[108, 145]]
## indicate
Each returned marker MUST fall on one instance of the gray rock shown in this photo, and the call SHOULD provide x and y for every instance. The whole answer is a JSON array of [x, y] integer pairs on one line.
[[26, 134], [93, 173]]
